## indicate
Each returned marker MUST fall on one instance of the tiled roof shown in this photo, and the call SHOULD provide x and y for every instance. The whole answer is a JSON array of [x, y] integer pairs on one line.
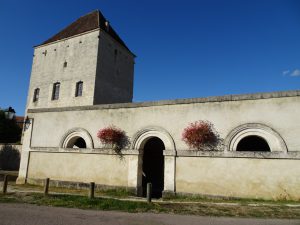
[[86, 23], [20, 121]]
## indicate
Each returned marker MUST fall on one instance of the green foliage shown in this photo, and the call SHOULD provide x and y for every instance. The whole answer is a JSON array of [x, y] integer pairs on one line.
[[10, 132], [9, 158]]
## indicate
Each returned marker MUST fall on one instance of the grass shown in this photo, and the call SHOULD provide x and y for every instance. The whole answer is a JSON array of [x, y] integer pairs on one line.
[[118, 193], [202, 208], [242, 201], [81, 202]]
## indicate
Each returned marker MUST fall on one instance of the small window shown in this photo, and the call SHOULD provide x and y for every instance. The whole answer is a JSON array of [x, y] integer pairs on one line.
[[55, 92], [65, 64], [36, 95], [116, 55], [79, 87]]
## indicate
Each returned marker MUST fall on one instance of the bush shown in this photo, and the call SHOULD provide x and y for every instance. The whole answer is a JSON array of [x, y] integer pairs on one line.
[[9, 158], [10, 132], [201, 135], [115, 137]]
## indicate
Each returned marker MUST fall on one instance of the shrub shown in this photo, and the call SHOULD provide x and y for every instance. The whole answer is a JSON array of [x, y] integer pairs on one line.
[[115, 137], [10, 132], [9, 158], [201, 135]]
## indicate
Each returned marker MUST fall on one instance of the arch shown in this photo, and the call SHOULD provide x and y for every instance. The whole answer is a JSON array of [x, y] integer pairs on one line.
[[273, 139], [141, 137], [73, 135]]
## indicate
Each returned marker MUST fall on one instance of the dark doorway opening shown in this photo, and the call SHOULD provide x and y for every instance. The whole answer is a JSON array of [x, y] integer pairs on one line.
[[254, 144], [79, 143], [153, 167]]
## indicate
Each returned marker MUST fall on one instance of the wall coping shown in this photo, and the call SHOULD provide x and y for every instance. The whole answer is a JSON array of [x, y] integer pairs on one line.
[[83, 150], [180, 153], [225, 98], [235, 154]]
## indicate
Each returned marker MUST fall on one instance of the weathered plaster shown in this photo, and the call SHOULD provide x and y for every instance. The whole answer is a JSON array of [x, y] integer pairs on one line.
[[78, 167], [234, 177]]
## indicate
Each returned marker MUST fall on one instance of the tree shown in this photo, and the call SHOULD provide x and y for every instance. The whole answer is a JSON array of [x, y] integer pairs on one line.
[[10, 132]]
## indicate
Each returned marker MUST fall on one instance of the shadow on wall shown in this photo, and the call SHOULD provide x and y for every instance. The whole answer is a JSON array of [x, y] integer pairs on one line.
[[9, 158]]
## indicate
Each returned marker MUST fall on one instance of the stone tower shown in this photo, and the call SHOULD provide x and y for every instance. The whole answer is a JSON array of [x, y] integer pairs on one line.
[[86, 63]]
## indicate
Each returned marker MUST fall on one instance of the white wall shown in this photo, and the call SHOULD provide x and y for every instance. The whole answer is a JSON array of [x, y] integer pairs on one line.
[[280, 114]]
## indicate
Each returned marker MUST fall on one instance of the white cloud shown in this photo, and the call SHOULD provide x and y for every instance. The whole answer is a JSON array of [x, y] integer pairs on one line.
[[295, 73], [286, 72]]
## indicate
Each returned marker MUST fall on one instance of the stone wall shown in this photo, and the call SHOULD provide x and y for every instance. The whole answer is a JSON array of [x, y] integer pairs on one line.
[[89, 58], [239, 177], [80, 53], [273, 116], [18, 147], [79, 167], [277, 113], [115, 65]]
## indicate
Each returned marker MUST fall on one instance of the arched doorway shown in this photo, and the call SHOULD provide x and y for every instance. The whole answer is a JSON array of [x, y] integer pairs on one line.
[[153, 166], [76, 142], [253, 143]]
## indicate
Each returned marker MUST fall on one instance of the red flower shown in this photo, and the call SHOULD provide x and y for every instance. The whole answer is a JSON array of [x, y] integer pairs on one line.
[[114, 136], [110, 135], [200, 134]]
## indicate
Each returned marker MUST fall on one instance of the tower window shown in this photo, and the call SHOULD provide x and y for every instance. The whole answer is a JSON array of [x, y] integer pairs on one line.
[[116, 55], [65, 64], [36, 95], [55, 91], [79, 87]]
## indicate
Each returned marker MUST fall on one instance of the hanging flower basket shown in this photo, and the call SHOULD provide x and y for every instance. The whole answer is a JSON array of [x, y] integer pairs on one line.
[[114, 137], [201, 135]]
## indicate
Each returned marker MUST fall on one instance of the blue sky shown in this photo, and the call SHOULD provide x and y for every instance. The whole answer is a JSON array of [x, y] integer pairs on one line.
[[184, 49]]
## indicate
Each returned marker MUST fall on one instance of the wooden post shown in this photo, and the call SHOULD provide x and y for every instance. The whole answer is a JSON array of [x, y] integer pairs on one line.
[[46, 186], [149, 192], [5, 181], [92, 190]]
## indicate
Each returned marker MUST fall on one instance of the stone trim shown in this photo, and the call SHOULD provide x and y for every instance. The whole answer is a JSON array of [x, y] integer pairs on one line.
[[141, 137], [235, 154], [82, 150], [180, 153], [224, 98], [272, 137], [77, 132]]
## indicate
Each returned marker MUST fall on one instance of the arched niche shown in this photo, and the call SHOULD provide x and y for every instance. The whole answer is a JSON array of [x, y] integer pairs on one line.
[[273, 139], [254, 144], [77, 135]]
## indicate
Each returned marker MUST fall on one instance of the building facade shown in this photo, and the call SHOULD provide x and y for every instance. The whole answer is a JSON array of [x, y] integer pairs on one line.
[[82, 81]]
